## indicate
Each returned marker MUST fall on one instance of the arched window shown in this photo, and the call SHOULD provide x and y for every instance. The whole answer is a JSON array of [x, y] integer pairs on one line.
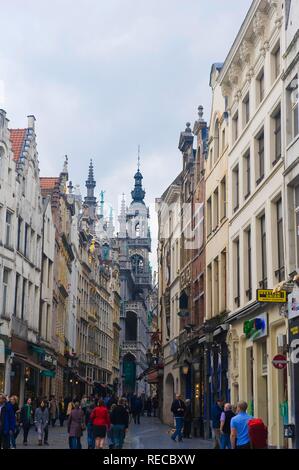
[[131, 326], [216, 140], [137, 264], [137, 230]]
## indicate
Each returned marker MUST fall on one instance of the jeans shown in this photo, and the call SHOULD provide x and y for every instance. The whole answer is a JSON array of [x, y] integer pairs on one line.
[[75, 443], [187, 429], [4, 441], [13, 444], [225, 441], [26, 428], [118, 434], [90, 438], [136, 417], [179, 423]]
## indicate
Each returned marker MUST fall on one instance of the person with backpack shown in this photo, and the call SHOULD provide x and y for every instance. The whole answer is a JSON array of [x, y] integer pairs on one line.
[[239, 436], [225, 420], [258, 433]]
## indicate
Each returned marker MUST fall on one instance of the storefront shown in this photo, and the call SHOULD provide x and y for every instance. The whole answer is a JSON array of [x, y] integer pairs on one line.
[[256, 336]]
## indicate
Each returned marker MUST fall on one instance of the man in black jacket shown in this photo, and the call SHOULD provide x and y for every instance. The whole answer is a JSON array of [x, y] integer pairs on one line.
[[119, 418], [178, 408]]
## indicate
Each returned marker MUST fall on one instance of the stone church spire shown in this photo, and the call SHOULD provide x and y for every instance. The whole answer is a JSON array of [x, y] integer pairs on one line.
[[90, 200], [122, 218]]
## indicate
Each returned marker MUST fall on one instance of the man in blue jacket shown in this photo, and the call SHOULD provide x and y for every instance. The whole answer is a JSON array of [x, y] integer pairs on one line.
[[216, 416], [7, 422]]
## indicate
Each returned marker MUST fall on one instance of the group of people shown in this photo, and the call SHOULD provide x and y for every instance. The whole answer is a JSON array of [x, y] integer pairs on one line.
[[234, 428], [182, 413], [103, 418]]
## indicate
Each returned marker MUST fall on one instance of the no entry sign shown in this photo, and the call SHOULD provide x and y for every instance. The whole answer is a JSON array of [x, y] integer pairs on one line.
[[279, 361]]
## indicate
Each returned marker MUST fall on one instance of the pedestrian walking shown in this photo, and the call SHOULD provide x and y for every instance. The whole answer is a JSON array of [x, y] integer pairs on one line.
[[178, 409], [216, 415], [76, 426], [41, 421], [53, 410], [89, 427], [61, 411], [119, 417], [15, 405], [101, 422], [239, 436], [155, 403], [136, 408], [7, 422], [187, 420], [70, 407], [225, 421], [26, 418], [149, 407]]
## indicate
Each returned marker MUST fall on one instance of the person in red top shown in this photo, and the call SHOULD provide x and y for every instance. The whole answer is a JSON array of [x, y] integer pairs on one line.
[[101, 422]]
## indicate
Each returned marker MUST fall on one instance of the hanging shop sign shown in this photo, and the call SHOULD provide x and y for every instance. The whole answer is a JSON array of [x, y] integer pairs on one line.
[[267, 295], [256, 328], [279, 361], [293, 304]]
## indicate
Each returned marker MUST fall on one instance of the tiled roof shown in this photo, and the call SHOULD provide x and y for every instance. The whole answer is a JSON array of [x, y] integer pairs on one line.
[[48, 183], [17, 137]]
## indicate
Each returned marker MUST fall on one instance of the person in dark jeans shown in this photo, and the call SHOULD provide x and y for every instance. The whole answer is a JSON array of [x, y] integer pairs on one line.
[[225, 419], [155, 402], [136, 408], [7, 422], [187, 420], [26, 418], [178, 408], [216, 415]]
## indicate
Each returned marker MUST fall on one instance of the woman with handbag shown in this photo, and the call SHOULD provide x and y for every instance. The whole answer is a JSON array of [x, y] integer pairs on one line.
[[76, 426]]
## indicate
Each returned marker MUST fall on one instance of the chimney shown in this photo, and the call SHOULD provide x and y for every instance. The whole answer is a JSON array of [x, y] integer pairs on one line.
[[31, 122]]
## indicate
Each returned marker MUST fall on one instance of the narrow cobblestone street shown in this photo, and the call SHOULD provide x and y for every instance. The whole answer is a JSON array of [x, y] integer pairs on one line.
[[150, 434]]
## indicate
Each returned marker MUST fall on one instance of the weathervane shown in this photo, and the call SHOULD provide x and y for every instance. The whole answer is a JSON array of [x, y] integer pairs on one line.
[[138, 161]]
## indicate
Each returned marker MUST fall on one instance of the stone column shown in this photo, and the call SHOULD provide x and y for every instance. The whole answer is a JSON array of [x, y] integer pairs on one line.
[[7, 379]]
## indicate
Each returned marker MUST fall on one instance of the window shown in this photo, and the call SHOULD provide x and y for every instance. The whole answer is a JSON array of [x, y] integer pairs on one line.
[[297, 221], [260, 86], [236, 188], [5, 291], [210, 290], [263, 281], [247, 174], [1, 159], [292, 110], [216, 287], [237, 272], [275, 58], [8, 228], [23, 299], [20, 222], [223, 140], [249, 264], [26, 240], [246, 110], [16, 294], [215, 209], [223, 199], [260, 157], [235, 126], [216, 140], [280, 251], [277, 136], [209, 216]]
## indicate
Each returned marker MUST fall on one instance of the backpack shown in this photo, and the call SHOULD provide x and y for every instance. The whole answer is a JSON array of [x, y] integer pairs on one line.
[[258, 433]]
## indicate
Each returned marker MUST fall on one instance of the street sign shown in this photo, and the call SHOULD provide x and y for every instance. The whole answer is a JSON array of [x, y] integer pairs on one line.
[[267, 295], [279, 361]]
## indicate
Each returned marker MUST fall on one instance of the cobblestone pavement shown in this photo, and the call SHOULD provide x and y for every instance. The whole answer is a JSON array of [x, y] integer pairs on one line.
[[150, 434]]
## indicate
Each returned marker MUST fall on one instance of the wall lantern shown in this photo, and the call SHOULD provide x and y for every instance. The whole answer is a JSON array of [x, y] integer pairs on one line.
[[186, 368]]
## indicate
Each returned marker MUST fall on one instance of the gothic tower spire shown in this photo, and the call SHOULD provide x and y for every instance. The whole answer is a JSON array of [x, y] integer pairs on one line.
[[138, 192], [90, 200]]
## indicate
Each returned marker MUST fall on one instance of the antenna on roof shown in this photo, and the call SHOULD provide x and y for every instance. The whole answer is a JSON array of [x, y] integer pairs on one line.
[[138, 161]]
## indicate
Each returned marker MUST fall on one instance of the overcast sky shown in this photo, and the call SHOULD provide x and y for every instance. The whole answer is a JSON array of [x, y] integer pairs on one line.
[[102, 77]]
